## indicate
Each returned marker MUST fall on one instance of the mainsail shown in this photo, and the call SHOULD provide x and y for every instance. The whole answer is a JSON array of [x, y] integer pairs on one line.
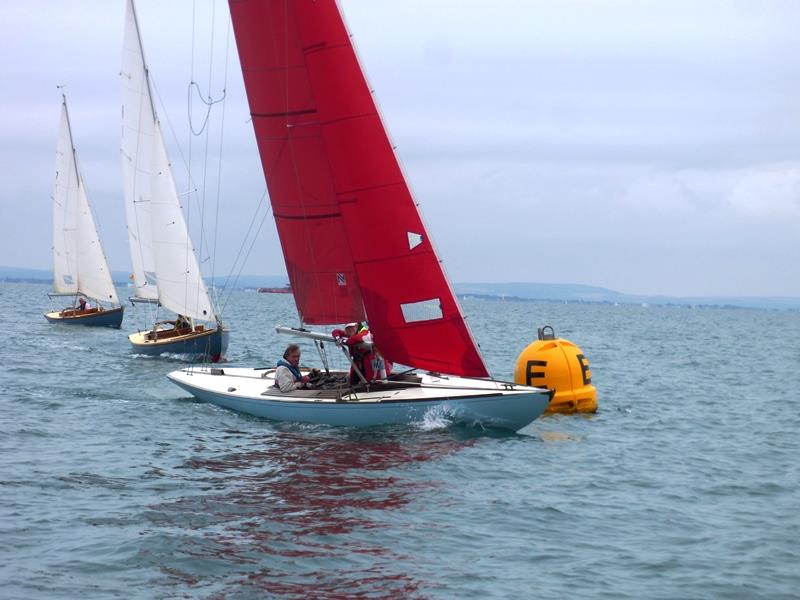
[[350, 230], [79, 264], [164, 262]]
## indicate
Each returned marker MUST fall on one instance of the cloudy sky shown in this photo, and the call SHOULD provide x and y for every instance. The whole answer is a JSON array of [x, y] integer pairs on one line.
[[651, 147]]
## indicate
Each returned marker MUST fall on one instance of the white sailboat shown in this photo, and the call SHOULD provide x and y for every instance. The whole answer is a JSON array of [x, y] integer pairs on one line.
[[353, 240], [165, 267], [80, 269]]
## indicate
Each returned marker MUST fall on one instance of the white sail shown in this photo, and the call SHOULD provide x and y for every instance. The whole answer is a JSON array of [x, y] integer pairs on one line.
[[181, 288], [65, 230], [137, 163], [80, 265], [164, 263], [94, 276]]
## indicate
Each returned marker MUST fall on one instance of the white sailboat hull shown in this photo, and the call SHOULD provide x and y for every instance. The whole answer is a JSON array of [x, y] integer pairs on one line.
[[477, 402]]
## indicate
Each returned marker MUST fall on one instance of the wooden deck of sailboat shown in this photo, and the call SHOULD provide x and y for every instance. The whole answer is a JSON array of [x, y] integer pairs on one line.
[[169, 336], [201, 343]]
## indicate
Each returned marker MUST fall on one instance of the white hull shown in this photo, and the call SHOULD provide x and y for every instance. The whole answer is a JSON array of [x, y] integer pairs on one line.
[[468, 401]]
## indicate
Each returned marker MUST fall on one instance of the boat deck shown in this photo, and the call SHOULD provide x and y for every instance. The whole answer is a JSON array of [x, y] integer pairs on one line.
[[338, 388], [335, 387]]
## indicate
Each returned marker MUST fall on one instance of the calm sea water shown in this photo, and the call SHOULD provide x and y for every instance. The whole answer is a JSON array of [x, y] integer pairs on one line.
[[115, 484]]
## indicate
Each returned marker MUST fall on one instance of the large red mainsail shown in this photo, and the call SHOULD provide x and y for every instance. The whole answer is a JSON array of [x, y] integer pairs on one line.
[[350, 230]]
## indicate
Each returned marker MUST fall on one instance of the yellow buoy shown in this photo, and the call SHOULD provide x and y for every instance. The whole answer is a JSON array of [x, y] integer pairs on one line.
[[559, 365]]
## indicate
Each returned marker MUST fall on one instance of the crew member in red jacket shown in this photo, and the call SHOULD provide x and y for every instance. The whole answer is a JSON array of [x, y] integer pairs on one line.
[[366, 357]]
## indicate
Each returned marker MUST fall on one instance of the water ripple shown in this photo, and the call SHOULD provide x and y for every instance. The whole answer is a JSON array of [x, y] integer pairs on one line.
[[685, 483]]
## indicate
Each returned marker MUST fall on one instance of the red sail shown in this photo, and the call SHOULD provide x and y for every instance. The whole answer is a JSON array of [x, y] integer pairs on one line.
[[330, 169], [296, 164]]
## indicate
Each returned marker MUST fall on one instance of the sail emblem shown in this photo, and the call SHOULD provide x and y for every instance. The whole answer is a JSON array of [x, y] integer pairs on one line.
[[414, 240], [68, 280], [341, 279]]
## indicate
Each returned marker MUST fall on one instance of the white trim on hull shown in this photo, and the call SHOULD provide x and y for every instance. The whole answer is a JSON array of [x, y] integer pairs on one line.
[[468, 401]]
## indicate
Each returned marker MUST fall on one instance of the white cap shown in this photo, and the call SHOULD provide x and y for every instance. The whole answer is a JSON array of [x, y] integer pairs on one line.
[[351, 325]]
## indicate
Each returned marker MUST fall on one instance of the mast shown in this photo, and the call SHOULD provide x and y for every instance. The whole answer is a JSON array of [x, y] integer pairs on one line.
[[145, 69], [71, 141], [65, 187]]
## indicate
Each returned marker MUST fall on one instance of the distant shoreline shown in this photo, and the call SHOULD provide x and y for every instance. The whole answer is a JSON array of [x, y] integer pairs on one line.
[[676, 304], [500, 292]]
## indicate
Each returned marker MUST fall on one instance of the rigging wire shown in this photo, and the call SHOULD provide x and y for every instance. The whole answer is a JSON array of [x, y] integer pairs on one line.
[[209, 102], [188, 195], [192, 187], [192, 184], [249, 250], [205, 128], [219, 166], [202, 198]]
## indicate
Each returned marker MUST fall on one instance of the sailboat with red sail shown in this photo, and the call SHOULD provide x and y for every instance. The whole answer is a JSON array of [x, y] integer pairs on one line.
[[353, 239]]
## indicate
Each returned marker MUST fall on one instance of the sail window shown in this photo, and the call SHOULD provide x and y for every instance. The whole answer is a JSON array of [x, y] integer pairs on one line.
[[341, 279], [425, 310], [68, 280], [414, 240]]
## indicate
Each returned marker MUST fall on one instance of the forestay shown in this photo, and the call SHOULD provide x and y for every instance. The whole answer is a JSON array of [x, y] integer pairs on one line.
[[349, 227]]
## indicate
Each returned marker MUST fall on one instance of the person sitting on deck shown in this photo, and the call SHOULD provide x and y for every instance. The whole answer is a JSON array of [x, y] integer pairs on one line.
[[83, 304], [183, 324], [366, 357], [287, 375]]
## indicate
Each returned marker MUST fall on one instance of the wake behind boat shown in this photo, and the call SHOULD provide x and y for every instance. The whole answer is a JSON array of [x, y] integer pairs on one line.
[[80, 268], [354, 243], [165, 268]]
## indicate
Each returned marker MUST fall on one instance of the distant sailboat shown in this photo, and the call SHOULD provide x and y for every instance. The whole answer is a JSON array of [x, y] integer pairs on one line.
[[353, 240], [165, 266], [80, 268], [287, 289]]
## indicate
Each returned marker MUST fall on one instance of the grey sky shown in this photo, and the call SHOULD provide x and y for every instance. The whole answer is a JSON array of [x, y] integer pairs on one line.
[[649, 147]]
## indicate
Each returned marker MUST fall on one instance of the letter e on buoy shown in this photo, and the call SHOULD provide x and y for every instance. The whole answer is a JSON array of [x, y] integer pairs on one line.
[[559, 365]]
